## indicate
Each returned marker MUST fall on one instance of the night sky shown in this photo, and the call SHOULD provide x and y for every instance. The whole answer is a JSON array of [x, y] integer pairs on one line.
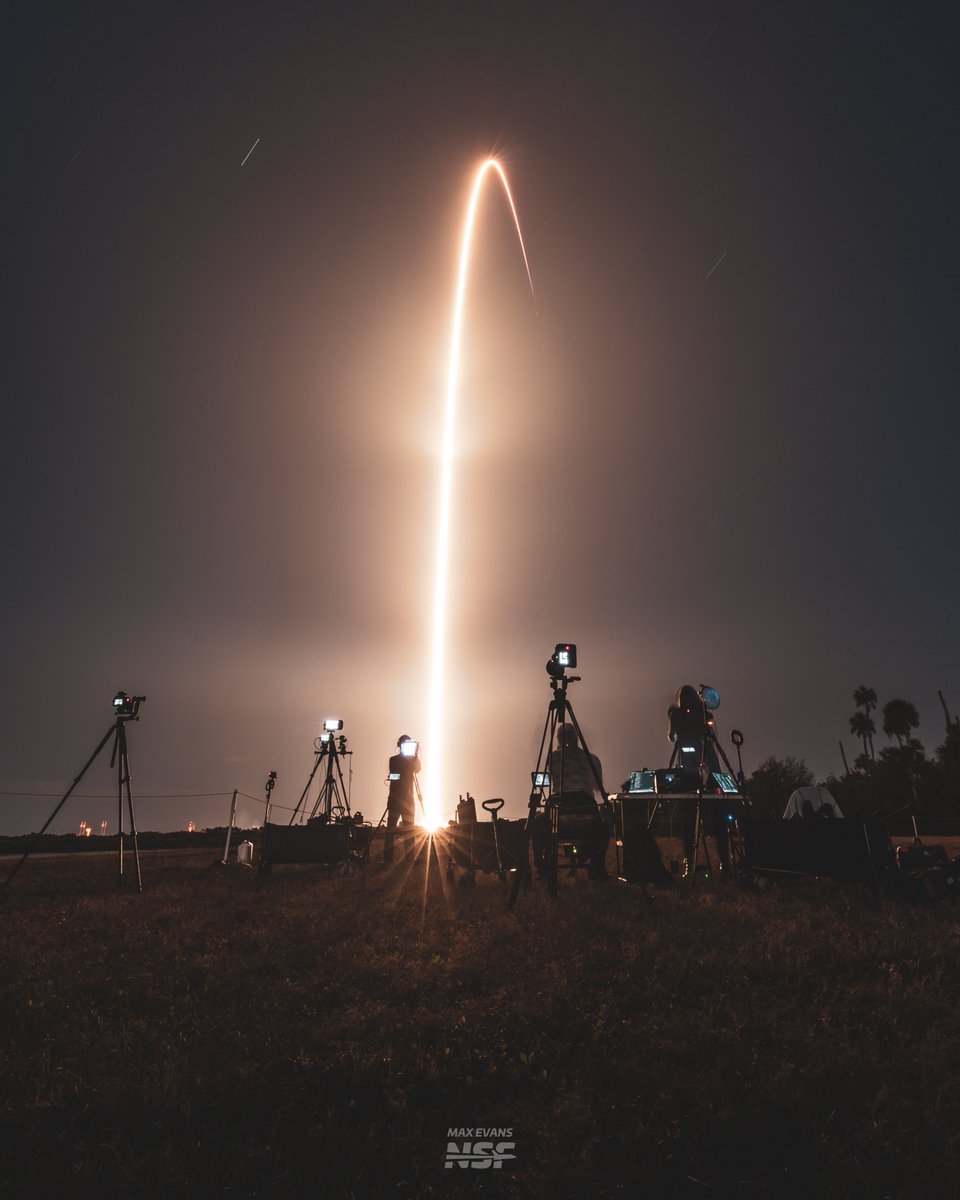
[[722, 449]]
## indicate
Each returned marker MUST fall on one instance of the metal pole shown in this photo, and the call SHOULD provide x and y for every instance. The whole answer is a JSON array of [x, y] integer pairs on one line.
[[119, 758], [268, 787], [233, 817]]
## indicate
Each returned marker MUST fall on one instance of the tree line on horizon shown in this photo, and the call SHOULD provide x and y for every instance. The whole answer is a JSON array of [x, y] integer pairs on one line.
[[898, 776]]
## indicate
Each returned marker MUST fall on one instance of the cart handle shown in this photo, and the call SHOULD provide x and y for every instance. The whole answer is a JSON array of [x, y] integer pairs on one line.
[[493, 806]]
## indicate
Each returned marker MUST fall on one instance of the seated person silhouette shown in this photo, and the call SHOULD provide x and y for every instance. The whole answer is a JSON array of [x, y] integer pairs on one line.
[[575, 792]]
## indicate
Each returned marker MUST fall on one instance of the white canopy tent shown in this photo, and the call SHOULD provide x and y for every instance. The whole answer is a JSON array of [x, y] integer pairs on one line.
[[819, 799]]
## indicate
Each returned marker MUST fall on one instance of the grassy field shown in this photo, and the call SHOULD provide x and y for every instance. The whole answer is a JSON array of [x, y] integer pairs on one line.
[[311, 1036]]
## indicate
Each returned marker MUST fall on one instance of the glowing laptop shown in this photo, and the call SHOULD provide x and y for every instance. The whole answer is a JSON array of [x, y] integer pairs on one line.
[[640, 783]]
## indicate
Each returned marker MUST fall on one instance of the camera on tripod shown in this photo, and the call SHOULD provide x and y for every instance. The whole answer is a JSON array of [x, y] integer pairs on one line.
[[127, 706], [564, 656]]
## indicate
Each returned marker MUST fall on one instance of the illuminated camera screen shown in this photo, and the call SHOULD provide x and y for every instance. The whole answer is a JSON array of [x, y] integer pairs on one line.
[[332, 724], [394, 777], [127, 706], [541, 779], [409, 748], [565, 655]]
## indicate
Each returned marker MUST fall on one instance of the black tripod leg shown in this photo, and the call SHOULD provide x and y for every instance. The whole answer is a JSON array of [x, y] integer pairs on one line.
[[732, 851], [116, 760], [523, 871], [586, 749], [496, 849], [553, 868], [324, 804], [69, 792], [696, 840], [303, 794], [560, 706], [601, 867], [343, 800], [125, 768]]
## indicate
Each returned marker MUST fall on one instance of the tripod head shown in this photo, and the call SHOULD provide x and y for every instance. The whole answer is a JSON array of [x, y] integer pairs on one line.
[[330, 739], [330, 743], [560, 685]]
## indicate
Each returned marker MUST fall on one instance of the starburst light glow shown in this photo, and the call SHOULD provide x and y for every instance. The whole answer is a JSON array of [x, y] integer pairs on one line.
[[434, 792]]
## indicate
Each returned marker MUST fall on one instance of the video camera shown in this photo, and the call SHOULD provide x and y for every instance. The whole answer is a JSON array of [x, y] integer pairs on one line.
[[127, 707]]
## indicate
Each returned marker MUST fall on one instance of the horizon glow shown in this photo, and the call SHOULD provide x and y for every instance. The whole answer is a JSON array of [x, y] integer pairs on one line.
[[434, 783]]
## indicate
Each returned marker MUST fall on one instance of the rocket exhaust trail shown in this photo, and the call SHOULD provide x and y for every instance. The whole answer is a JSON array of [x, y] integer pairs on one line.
[[434, 789]]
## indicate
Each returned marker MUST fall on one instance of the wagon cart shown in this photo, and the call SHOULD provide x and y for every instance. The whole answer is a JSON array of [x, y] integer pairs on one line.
[[490, 846]]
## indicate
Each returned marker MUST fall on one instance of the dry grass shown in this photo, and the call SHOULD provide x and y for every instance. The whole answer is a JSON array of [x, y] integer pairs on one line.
[[314, 1036]]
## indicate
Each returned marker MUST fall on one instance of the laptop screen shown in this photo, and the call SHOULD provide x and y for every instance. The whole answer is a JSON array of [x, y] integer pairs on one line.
[[640, 782], [726, 783]]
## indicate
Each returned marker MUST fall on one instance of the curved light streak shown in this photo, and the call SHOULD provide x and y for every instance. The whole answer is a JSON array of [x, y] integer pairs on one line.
[[433, 790]]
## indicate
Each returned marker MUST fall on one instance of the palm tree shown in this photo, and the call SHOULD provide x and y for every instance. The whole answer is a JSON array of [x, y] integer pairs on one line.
[[862, 727], [900, 718], [866, 698]]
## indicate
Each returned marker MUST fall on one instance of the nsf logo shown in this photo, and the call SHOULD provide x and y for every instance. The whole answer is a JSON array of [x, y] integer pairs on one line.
[[478, 1149]]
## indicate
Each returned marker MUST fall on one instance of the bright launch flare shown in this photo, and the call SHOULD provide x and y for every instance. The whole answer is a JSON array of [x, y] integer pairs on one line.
[[434, 785]]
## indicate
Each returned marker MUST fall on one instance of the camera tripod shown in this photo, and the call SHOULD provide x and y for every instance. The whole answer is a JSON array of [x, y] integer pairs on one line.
[[332, 802], [118, 757], [711, 755], [559, 714]]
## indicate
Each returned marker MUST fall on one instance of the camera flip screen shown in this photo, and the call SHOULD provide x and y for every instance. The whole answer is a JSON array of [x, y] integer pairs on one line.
[[331, 724], [409, 748]]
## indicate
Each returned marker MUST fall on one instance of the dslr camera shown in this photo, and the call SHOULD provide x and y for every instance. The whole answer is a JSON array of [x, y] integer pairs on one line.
[[564, 656]]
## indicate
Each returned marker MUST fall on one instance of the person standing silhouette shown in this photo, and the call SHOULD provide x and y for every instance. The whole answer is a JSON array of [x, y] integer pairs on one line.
[[404, 767]]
